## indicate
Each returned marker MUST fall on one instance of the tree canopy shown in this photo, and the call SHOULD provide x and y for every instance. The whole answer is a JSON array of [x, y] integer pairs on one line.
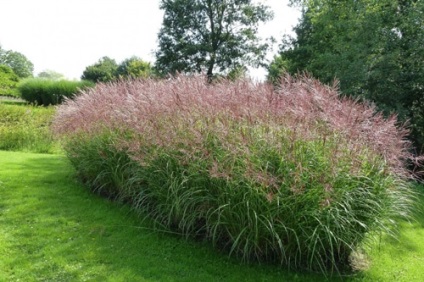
[[106, 69], [210, 36], [20, 64], [102, 71], [134, 67]]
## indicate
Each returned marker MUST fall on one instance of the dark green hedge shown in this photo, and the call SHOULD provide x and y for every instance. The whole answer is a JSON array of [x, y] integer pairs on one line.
[[50, 92]]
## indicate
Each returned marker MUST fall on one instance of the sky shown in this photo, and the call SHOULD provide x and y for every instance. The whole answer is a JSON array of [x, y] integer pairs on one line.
[[66, 36]]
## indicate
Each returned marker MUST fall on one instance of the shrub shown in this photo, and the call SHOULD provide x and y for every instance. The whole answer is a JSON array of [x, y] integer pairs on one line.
[[102, 71], [8, 81], [134, 67], [26, 128], [50, 92], [295, 176]]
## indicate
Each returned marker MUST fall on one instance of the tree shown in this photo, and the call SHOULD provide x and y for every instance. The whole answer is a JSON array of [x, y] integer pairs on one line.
[[51, 75], [8, 81], [210, 35], [102, 71], [134, 67], [20, 65], [278, 67], [374, 48]]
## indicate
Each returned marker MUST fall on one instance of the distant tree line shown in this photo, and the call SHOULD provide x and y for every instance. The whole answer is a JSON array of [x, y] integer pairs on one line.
[[106, 69]]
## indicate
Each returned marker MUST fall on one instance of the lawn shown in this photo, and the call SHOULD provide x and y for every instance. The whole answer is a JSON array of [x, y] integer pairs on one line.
[[53, 229]]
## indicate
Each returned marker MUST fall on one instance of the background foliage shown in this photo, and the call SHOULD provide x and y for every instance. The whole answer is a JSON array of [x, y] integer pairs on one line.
[[134, 67], [20, 64], [106, 69], [8, 81], [51, 74], [102, 71]]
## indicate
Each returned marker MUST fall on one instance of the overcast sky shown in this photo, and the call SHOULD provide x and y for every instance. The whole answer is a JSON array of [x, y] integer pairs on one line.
[[68, 35]]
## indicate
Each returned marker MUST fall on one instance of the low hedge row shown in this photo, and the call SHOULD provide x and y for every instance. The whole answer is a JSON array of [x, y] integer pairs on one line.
[[50, 92]]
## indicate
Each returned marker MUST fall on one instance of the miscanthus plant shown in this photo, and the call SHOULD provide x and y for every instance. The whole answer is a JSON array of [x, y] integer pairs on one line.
[[295, 175]]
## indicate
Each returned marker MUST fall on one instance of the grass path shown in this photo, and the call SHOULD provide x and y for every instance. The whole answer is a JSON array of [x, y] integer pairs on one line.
[[52, 229]]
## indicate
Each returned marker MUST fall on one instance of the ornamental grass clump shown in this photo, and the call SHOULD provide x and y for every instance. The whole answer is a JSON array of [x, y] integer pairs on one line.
[[296, 175]]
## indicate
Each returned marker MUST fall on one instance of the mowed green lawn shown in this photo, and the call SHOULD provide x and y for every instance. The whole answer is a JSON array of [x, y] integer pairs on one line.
[[53, 229]]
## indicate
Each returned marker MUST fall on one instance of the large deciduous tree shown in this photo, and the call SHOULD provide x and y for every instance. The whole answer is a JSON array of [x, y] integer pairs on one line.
[[20, 64], [102, 71], [212, 36], [134, 67], [374, 48]]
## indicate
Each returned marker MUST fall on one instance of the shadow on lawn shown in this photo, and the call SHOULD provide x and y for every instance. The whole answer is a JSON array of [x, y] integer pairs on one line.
[[82, 236]]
